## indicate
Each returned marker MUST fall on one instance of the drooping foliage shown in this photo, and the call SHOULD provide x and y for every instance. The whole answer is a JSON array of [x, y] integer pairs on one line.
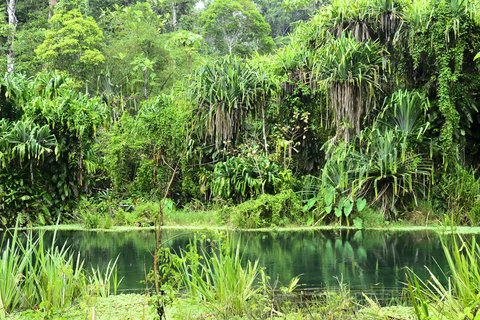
[[370, 104], [413, 61], [47, 144], [348, 71], [442, 43], [229, 92]]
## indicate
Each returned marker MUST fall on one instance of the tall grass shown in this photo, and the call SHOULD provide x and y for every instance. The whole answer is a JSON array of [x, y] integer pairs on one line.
[[59, 280], [33, 276], [219, 277], [459, 297], [14, 260], [102, 283]]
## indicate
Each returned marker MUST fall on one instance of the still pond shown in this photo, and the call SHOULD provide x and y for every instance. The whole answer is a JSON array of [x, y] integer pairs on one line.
[[370, 261]]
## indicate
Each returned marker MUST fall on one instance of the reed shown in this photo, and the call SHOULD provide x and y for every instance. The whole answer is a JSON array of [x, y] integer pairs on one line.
[[34, 276], [103, 282], [14, 260], [219, 277], [59, 279], [458, 297]]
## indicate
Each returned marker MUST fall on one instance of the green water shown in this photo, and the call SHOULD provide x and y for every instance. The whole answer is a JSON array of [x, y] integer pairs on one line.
[[370, 261]]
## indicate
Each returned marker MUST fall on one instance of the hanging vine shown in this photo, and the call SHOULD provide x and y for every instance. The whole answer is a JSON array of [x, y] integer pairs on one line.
[[441, 45]]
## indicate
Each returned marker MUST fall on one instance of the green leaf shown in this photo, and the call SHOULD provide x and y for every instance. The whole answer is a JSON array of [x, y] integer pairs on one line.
[[361, 203], [329, 196], [328, 209], [338, 212], [309, 204], [348, 206], [358, 223]]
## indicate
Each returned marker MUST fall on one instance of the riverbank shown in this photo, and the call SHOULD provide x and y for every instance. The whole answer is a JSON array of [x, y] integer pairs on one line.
[[139, 307], [390, 228]]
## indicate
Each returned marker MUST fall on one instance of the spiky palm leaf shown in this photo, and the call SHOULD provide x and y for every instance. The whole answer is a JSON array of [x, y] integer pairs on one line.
[[349, 71], [404, 111], [27, 141], [227, 92]]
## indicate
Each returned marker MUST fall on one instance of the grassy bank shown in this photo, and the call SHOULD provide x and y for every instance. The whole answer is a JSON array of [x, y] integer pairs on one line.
[[137, 306], [390, 228]]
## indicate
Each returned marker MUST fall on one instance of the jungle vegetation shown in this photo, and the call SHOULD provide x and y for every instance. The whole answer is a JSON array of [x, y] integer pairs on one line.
[[270, 112]]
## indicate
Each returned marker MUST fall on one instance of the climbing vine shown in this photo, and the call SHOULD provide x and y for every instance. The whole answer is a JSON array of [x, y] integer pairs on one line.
[[442, 49]]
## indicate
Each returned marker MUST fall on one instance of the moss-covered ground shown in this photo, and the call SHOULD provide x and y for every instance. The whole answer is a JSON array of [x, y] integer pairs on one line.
[[138, 307]]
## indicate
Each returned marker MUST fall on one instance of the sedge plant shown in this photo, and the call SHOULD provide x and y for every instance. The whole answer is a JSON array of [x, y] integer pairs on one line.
[[220, 278], [458, 296], [49, 278]]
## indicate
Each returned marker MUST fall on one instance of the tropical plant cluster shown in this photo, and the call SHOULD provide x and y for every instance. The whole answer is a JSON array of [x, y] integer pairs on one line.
[[47, 278], [365, 107]]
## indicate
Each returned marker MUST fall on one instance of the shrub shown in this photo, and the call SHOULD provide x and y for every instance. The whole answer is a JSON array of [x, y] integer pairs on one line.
[[94, 214], [119, 216], [372, 217], [247, 175], [460, 190], [266, 210], [146, 212]]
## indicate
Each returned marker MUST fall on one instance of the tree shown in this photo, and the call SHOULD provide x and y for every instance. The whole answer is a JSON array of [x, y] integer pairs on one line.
[[53, 3], [12, 23], [236, 27], [176, 10], [189, 41], [310, 5], [227, 93], [348, 70], [281, 15], [47, 137], [134, 39], [72, 43]]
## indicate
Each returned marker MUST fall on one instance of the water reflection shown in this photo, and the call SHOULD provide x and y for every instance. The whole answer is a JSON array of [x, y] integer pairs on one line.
[[364, 260]]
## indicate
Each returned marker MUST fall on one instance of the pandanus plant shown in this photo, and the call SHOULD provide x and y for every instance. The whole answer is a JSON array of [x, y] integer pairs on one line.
[[25, 142], [227, 93], [349, 71], [382, 164], [364, 19]]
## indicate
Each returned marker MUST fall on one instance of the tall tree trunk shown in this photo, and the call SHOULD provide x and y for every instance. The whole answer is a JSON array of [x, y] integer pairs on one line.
[[12, 26], [174, 15], [145, 83], [263, 129], [53, 3]]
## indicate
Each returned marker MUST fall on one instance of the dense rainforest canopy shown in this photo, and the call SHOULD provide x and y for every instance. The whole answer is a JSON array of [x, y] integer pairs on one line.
[[269, 111]]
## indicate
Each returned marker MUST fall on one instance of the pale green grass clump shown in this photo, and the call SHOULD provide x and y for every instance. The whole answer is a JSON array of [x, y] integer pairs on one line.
[[47, 279], [459, 297]]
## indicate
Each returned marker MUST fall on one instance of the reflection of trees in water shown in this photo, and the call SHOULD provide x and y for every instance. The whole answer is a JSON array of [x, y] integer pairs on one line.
[[362, 258]]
